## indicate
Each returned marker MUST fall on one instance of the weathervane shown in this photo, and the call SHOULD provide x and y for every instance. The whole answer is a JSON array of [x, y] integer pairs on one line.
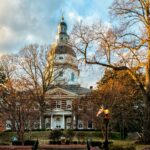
[[62, 16]]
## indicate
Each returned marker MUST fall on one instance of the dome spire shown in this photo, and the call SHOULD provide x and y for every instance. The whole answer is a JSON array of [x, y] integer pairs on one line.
[[62, 17], [62, 36]]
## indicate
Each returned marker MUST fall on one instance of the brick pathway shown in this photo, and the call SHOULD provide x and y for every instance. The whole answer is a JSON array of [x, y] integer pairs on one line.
[[63, 147], [15, 147]]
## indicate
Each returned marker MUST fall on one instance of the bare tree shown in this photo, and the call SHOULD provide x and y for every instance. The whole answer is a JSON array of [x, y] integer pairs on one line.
[[37, 67], [7, 62], [125, 47], [31, 73], [16, 103], [17, 107]]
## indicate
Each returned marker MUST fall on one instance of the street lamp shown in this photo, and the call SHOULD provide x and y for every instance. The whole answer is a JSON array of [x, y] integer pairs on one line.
[[106, 121]]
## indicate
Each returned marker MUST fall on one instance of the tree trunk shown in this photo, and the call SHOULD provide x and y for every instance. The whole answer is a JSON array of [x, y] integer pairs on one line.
[[146, 126], [42, 120], [42, 111], [13, 124]]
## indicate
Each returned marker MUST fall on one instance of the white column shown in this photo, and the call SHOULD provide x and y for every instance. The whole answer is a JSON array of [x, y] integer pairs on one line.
[[63, 122], [74, 122], [51, 121], [40, 123]]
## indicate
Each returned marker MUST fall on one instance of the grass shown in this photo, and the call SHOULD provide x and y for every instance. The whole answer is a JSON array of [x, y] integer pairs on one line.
[[126, 143], [140, 147], [42, 136], [123, 142], [6, 137]]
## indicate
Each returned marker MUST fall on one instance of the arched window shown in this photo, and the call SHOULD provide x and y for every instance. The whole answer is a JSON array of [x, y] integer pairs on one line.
[[80, 124], [58, 104], [60, 57], [72, 76], [69, 104], [90, 124], [61, 73]]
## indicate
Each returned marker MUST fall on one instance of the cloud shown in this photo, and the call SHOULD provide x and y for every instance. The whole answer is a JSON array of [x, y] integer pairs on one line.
[[89, 75], [19, 19], [35, 21], [6, 34]]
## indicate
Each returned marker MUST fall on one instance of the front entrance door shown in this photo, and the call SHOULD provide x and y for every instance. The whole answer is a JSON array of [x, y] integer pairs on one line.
[[68, 122], [57, 122]]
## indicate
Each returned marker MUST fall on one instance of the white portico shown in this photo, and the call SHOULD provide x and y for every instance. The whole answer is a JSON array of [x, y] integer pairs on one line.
[[59, 114]]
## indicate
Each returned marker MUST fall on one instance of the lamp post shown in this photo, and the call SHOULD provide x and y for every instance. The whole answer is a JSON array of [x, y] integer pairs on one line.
[[106, 121]]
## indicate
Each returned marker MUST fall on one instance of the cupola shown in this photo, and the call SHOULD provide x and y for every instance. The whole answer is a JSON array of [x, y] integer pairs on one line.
[[62, 36]]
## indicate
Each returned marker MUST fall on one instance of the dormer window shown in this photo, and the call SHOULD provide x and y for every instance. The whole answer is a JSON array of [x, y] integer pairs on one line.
[[80, 124], [90, 124], [58, 104], [72, 76], [61, 73], [63, 29], [69, 104], [60, 58], [80, 107]]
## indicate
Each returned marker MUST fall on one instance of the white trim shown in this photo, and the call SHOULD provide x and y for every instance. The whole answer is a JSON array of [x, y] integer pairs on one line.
[[59, 90]]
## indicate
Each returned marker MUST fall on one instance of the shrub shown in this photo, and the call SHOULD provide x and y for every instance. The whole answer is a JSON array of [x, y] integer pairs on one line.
[[8, 130], [16, 143], [58, 142], [63, 140], [117, 147], [29, 142], [52, 142], [114, 135], [80, 135], [96, 143], [55, 134], [4, 143], [87, 129], [130, 148], [69, 134], [75, 142], [67, 142], [43, 129]]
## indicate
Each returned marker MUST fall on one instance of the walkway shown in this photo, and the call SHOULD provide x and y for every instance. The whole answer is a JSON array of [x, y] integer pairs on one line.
[[63, 147], [10, 147]]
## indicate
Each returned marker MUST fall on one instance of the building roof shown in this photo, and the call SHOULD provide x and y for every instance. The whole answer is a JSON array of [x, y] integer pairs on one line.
[[62, 23], [77, 89], [63, 49]]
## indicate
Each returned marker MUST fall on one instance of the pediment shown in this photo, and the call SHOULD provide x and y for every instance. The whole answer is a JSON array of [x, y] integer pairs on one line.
[[60, 92]]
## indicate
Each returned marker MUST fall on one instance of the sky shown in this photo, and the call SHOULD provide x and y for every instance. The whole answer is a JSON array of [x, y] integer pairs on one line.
[[35, 21]]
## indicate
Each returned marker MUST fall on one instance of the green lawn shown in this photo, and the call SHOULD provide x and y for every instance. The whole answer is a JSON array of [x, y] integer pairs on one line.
[[5, 137], [129, 143], [140, 147], [42, 136]]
